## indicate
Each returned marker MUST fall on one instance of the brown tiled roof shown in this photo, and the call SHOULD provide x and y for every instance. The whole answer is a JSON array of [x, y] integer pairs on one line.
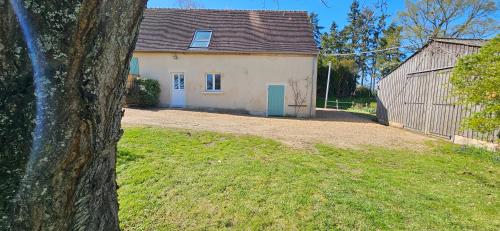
[[252, 31]]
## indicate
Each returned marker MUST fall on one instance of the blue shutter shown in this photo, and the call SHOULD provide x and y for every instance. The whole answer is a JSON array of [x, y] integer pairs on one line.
[[276, 100], [134, 66]]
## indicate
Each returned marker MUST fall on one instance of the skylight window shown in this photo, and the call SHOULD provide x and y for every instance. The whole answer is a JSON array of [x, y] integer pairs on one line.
[[201, 39]]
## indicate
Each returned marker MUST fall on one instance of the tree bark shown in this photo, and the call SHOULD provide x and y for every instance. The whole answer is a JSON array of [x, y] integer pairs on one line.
[[71, 183]]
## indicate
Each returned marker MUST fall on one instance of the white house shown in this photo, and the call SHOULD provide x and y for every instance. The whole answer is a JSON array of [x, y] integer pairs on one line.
[[257, 62]]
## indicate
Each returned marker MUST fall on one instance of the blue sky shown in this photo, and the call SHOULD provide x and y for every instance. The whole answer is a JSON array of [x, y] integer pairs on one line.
[[337, 10]]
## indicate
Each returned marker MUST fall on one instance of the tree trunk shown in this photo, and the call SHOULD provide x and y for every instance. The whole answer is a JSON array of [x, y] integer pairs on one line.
[[69, 182], [362, 77]]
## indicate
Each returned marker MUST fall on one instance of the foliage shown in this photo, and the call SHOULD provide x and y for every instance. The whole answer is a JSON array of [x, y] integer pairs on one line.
[[366, 30], [316, 28], [362, 91], [387, 61], [180, 180], [424, 19], [342, 77], [143, 93], [367, 108], [476, 81]]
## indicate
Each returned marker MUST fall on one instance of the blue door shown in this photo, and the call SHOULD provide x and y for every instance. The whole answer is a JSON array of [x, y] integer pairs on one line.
[[276, 100]]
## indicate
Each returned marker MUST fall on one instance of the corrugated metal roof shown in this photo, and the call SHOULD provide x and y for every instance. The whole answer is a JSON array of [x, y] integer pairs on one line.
[[233, 31]]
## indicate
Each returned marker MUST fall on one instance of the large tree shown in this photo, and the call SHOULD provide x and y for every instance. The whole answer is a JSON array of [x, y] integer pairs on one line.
[[57, 166], [424, 19]]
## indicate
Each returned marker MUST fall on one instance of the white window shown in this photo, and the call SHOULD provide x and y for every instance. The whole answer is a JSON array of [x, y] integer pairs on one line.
[[213, 82], [201, 39]]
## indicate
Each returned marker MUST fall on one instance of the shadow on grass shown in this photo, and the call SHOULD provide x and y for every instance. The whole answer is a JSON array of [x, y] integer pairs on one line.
[[463, 150], [125, 156]]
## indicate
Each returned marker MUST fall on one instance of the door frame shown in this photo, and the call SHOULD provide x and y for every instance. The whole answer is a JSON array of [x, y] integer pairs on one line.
[[172, 84], [267, 97], [423, 81]]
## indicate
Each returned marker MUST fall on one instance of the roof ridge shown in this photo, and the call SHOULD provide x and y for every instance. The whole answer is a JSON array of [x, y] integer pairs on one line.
[[241, 10], [465, 39]]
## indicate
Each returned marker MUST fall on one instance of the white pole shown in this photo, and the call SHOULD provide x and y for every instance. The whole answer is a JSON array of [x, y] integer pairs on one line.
[[328, 82]]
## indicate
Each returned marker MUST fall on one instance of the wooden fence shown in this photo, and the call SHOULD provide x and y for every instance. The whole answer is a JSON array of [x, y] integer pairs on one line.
[[131, 82], [343, 105]]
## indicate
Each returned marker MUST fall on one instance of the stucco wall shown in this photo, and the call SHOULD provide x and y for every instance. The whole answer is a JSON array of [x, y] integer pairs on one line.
[[244, 79]]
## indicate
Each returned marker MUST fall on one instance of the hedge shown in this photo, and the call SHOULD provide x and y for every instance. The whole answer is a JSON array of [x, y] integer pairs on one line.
[[143, 93]]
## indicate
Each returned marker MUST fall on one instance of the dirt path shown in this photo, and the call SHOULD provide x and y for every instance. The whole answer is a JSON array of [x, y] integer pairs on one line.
[[333, 127]]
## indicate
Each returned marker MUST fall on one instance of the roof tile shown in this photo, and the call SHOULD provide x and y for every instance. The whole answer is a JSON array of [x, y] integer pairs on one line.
[[233, 30]]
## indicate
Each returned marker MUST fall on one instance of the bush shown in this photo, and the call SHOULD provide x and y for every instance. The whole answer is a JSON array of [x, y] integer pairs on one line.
[[143, 93], [476, 81], [362, 91], [370, 108]]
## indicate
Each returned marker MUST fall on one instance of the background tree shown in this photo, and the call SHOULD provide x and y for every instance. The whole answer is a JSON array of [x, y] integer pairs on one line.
[[333, 42], [377, 33], [476, 81], [69, 183], [388, 60], [316, 28], [342, 79], [344, 69], [366, 29], [424, 19], [353, 33]]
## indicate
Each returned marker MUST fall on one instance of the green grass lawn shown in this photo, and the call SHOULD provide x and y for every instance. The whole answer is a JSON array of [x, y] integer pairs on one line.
[[174, 179]]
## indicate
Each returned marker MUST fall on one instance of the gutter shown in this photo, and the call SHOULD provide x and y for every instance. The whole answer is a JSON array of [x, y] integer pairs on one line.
[[207, 51]]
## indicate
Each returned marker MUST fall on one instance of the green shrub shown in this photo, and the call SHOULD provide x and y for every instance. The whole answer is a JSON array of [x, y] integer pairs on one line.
[[370, 108], [362, 91], [476, 81], [143, 93]]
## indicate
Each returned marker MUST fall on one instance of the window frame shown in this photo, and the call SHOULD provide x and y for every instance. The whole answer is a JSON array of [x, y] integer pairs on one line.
[[213, 82], [179, 74], [193, 40]]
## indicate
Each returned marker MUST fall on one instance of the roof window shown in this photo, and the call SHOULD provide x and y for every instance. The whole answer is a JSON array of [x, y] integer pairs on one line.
[[201, 39]]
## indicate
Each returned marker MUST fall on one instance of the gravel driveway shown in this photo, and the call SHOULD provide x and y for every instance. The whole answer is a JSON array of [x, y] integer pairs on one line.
[[338, 128]]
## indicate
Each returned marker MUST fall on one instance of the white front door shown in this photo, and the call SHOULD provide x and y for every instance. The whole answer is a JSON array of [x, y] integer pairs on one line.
[[178, 96]]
